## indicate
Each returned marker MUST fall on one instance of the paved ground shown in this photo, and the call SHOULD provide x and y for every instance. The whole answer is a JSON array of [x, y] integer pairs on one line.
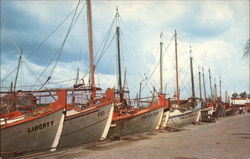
[[228, 138]]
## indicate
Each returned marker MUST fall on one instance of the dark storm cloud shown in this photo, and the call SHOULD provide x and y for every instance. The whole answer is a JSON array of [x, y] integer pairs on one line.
[[28, 32], [16, 20]]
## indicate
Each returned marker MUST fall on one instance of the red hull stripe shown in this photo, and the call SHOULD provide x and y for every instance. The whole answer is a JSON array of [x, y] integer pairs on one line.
[[30, 119], [136, 114]]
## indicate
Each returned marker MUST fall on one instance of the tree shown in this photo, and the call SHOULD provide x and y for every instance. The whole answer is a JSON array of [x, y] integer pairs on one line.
[[247, 48]]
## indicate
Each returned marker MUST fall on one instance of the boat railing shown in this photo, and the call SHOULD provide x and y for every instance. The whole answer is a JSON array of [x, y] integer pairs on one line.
[[144, 100], [3, 117]]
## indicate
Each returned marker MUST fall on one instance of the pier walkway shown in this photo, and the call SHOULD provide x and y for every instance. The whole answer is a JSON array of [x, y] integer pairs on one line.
[[228, 138]]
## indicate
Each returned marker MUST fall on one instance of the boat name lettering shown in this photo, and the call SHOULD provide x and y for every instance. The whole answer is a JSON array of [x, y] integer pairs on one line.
[[187, 116], [40, 126], [100, 113], [150, 115]]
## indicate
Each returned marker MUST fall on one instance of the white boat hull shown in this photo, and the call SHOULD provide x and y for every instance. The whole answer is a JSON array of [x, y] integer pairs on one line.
[[178, 118], [86, 126], [32, 135], [144, 122]]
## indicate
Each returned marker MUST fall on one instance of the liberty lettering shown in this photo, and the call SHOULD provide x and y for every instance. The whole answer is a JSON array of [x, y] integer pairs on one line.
[[40, 126]]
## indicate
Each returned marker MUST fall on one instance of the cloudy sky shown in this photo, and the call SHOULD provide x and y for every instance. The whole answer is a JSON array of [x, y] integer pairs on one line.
[[216, 31]]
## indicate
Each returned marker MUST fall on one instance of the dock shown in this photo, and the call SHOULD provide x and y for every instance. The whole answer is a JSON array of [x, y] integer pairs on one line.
[[228, 138]]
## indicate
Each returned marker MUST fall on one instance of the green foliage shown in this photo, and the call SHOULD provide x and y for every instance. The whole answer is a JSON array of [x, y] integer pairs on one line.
[[247, 48]]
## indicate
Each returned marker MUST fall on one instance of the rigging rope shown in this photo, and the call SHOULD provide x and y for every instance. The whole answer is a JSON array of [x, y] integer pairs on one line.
[[103, 47], [105, 40], [51, 83], [25, 63], [58, 52], [39, 80], [43, 42], [67, 34], [157, 63], [98, 60], [186, 70]]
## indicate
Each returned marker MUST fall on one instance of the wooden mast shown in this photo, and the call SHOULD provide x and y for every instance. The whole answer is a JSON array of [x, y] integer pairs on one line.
[[124, 79], [220, 90], [139, 96], [77, 76], [161, 43], [192, 74], [200, 85], [18, 66], [92, 67], [13, 95], [176, 62], [215, 90], [211, 90], [118, 56], [226, 97], [204, 84], [75, 86]]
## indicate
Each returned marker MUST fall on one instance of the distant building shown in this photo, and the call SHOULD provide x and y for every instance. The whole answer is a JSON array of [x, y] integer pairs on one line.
[[22, 99], [240, 99]]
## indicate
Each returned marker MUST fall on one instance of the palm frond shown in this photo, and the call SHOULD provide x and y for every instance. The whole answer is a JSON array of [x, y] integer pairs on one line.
[[247, 48]]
